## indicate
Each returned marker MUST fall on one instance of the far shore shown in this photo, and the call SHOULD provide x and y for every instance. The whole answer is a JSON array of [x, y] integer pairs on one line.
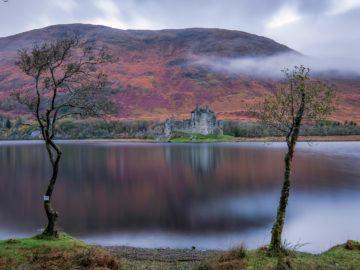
[[348, 138], [245, 139]]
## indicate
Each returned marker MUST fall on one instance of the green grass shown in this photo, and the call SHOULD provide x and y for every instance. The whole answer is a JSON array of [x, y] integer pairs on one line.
[[66, 252], [340, 257], [196, 138], [63, 252]]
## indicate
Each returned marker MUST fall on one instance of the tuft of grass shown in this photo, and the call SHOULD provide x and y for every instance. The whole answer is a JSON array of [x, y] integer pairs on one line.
[[205, 265], [351, 244], [12, 241], [92, 258], [236, 253], [233, 259], [283, 264]]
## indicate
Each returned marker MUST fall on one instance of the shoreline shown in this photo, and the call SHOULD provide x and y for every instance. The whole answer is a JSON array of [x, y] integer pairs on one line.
[[160, 254], [167, 258], [345, 138], [66, 252], [349, 138]]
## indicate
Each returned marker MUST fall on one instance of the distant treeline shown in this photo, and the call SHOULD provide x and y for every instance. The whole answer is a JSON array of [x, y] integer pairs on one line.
[[324, 128], [23, 128]]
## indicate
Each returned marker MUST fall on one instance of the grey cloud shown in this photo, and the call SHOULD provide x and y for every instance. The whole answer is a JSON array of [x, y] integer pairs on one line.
[[242, 15], [311, 7], [271, 66], [315, 33], [328, 36]]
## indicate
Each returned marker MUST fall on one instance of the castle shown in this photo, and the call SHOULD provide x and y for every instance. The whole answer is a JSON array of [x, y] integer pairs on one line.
[[203, 121]]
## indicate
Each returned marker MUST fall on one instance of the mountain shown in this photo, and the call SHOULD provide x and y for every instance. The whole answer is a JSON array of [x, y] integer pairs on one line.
[[159, 73]]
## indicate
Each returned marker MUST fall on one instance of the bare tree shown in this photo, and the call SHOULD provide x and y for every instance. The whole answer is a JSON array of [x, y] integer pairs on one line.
[[302, 100], [67, 81]]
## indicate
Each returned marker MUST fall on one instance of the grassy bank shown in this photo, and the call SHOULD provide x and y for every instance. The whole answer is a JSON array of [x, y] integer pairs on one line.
[[341, 257], [187, 137], [180, 137], [68, 253], [44, 253]]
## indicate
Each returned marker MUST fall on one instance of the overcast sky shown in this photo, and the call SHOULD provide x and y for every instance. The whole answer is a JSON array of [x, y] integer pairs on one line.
[[312, 27]]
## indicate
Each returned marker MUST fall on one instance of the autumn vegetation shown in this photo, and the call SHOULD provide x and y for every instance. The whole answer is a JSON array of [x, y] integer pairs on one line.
[[153, 88], [23, 128]]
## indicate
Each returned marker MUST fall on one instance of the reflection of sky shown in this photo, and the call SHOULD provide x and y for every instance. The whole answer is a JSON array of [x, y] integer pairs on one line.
[[315, 222], [206, 195], [345, 149], [323, 220], [332, 149]]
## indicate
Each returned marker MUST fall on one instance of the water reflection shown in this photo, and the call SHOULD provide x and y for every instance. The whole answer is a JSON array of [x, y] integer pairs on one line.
[[196, 192], [203, 159]]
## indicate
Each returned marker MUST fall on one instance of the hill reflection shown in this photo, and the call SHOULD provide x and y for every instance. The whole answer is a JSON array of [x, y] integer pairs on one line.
[[171, 187]]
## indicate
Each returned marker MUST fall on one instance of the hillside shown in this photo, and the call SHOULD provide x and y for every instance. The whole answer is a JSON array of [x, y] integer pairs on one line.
[[157, 73]]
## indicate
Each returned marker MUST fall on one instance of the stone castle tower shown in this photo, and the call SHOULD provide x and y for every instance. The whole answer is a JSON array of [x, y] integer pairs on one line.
[[203, 121]]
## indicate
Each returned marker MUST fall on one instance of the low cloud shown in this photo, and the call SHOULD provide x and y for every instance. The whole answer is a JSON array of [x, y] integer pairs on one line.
[[271, 66]]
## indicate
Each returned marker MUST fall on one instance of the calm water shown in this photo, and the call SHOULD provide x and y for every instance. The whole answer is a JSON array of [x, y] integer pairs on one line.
[[183, 195]]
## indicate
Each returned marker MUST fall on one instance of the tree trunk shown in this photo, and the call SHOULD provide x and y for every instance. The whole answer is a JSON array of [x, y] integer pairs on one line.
[[50, 212], [291, 139], [275, 244]]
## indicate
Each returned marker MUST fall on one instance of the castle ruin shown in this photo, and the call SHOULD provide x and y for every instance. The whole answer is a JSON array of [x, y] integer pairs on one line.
[[203, 121]]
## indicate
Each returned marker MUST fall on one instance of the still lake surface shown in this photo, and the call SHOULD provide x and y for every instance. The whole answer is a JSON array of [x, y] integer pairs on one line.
[[212, 196]]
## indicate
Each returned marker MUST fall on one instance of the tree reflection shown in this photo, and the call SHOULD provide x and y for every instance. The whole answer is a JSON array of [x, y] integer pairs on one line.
[[168, 187]]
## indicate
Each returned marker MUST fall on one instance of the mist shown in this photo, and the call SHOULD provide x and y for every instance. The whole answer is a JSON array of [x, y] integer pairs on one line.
[[270, 67]]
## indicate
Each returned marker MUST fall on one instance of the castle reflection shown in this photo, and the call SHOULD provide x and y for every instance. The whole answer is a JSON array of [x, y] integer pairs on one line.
[[203, 159], [184, 188]]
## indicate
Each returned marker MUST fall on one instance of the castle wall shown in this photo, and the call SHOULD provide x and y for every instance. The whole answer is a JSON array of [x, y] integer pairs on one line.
[[203, 121], [183, 126]]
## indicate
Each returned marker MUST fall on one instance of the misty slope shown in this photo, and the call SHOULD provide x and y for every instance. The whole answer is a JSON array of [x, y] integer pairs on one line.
[[158, 74]]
